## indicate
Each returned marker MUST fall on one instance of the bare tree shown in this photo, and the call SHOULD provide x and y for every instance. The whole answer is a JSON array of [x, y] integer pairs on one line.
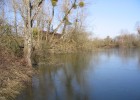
[[77, 16], [1, 3], [65, 8], [15, 16], [138, 27], [2, 12], [67, 11], [28, 10]]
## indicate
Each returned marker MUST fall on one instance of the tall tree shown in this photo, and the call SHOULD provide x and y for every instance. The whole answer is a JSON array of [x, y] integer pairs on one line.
[[28, 10], [65, 8]]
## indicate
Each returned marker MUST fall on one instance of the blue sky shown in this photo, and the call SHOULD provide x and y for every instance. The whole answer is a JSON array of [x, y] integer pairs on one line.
[[109, 17]]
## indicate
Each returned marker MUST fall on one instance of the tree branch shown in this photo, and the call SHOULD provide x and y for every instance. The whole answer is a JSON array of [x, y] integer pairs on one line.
[[64, 18], [39, 6]]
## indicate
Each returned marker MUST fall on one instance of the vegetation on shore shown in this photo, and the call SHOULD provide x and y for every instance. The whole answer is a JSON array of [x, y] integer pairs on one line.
[[14, 74], [30, 38], [125, 40]]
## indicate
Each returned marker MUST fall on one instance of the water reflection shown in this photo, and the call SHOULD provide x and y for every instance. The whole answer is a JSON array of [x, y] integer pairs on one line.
[[99, 76]]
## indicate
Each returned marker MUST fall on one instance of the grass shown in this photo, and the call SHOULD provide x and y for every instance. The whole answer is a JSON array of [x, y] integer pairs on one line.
[[13, 74]]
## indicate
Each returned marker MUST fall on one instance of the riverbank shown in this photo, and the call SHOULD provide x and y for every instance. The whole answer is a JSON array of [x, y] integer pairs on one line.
[[14, 74]]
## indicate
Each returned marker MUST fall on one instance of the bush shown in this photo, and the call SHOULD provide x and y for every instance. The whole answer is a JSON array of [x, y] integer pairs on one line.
[[10, 40]]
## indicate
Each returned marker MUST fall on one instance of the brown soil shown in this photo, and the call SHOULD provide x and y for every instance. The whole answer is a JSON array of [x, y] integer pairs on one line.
[[14, 74]]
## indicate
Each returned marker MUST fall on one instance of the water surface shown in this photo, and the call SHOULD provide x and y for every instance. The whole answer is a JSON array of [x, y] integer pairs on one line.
[[105, 75]]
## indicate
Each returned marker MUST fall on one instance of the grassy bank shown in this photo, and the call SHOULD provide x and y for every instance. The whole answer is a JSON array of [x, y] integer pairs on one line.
[[14, 74]]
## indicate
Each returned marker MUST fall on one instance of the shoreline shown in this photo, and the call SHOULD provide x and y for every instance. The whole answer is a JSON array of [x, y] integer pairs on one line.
[[14, 75]]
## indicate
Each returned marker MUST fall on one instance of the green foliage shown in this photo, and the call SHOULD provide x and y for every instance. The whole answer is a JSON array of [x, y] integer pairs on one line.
[[54, 2], [38, 0], [81, 4], [68, 22], [74, 6], [35, 33]]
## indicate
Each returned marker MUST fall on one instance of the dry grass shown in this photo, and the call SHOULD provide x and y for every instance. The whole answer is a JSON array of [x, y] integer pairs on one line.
[[13, 74]]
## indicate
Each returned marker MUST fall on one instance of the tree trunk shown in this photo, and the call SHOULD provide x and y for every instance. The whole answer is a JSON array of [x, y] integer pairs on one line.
[[28, 37], [15, 23], [28, 47], [64, 28]]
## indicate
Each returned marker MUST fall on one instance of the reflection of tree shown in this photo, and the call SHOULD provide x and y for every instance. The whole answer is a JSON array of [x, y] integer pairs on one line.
[[127, 54], [138, 57], [73, 71], [139, 60], [64, 82], [67, 81]]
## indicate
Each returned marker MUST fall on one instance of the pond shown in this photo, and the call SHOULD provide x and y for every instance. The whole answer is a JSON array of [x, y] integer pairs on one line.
[[105, 75]]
